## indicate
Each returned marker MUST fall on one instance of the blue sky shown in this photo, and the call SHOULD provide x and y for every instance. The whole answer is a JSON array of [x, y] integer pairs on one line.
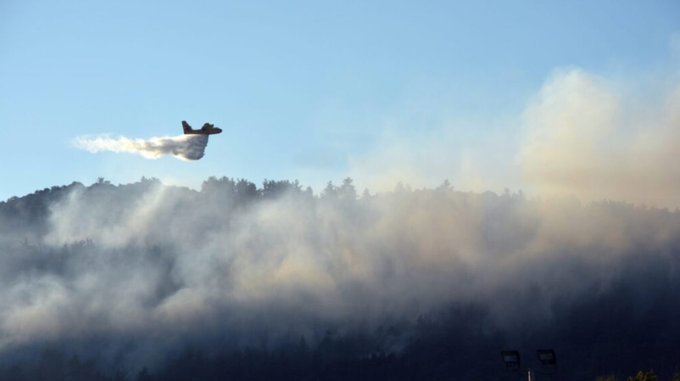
[[304, 90]]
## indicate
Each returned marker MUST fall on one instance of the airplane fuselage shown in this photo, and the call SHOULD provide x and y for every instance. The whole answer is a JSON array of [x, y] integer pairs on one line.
[[207, 129]]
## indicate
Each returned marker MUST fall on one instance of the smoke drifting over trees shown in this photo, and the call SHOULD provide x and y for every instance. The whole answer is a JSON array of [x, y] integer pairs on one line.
[[408, 284]]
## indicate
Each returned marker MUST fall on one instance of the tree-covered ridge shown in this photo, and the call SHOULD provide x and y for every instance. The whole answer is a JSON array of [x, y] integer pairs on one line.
[[408, 284]]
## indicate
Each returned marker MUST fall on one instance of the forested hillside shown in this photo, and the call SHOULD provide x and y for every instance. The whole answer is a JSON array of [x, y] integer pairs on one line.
[[148, 281]]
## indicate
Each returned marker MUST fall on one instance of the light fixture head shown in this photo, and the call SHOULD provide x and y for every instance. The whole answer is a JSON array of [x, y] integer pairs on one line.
[[547, 357], [511, 359]]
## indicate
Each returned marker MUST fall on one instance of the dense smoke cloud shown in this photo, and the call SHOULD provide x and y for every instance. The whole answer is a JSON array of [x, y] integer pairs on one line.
[[582, 135], [594, 138], [187, 147], [237, 266], [144, 269]]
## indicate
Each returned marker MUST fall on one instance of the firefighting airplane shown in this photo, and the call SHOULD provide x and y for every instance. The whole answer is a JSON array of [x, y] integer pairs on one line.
[[207, 129]]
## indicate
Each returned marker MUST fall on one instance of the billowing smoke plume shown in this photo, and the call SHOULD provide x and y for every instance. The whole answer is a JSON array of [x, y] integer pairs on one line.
[[596, 138], [441, 277], [187, 147], [148, 268], [581, 135]]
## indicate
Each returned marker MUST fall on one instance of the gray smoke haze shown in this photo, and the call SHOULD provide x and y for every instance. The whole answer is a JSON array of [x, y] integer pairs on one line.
[[186, 147], [582, 135], [232, 265], [165, 265], [595, 137]]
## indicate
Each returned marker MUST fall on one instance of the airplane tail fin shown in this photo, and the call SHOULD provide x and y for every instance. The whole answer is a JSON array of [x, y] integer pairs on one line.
[[186, 127]]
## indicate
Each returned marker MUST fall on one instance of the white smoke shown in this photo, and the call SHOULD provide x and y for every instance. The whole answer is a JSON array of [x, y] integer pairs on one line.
[[171, 257], [585, 136], [154, 262], [186, 147], [582, 134]]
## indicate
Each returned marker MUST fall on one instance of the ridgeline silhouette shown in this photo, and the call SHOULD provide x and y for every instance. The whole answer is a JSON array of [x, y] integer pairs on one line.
[[147, 281]]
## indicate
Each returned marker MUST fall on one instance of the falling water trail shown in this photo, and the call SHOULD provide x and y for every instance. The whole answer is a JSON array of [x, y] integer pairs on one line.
[[185, 147]]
